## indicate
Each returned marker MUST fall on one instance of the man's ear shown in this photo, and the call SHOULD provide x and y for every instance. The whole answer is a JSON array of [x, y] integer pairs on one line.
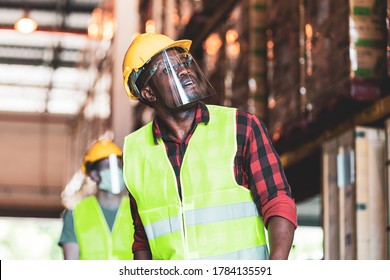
[[94, 174], [148, 94]]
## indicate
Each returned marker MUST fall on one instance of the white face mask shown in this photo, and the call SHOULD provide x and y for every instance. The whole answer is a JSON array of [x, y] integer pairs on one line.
[[108, 184]]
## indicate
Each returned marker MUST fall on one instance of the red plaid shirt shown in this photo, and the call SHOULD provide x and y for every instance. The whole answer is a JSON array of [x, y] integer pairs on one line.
[[256, 166]]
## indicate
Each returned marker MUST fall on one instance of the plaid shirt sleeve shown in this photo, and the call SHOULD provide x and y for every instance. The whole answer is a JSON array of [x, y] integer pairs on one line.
[[140, 240], [258, 167]]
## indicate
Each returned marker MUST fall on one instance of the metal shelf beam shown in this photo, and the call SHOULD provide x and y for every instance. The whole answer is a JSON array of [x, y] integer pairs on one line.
[[376, 112]]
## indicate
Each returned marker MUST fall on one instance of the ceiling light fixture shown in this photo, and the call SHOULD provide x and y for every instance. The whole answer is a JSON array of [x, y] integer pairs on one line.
[[25, 24], [101, 24], [150, 26]]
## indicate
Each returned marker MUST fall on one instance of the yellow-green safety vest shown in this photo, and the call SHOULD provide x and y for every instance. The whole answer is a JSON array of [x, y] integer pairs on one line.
[[95, 240], [216, 218]]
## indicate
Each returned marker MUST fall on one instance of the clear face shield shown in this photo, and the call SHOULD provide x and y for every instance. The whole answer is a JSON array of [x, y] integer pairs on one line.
[[112, 178], [177, 78]]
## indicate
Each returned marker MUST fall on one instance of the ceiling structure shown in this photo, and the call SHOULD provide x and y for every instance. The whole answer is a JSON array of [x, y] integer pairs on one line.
[[43, 71], [45, 79]]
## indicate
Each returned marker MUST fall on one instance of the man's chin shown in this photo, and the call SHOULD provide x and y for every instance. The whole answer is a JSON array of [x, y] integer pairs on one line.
[[186, 107]]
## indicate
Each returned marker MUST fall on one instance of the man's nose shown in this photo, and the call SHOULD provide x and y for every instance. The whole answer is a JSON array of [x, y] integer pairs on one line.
[[181, 69]]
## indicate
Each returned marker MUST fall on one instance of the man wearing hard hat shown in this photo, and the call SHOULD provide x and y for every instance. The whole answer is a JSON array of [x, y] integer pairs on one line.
[[99, 227], [204, 180]]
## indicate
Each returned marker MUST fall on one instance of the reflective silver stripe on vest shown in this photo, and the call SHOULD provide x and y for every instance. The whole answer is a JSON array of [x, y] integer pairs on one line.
[[163, 227], [255, 253], [221, 213], [202, 216]]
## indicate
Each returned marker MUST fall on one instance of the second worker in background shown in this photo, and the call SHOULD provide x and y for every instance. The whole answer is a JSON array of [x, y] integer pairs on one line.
[[204, 179], [99, 227]]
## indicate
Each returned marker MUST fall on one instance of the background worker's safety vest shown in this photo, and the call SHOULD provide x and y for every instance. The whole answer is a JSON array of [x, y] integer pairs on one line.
[[95, 240], [216, 218]]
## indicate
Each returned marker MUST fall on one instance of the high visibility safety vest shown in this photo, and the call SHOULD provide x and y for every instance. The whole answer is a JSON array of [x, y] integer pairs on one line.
[[95, 240], [216, 218]]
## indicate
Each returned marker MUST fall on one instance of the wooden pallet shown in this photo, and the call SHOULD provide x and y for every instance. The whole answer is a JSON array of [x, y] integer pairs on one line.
[[354, 195], [387, 189]]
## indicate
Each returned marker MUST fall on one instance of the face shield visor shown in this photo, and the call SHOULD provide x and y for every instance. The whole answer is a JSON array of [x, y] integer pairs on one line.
[[111, 178], [177, 78]]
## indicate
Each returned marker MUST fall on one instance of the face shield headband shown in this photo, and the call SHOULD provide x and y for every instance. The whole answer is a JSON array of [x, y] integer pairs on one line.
[[177, 78]]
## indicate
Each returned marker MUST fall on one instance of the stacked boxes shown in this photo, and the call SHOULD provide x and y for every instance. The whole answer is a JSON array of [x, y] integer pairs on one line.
[[329, 60], [367, 47], [244, 63], [326, 57], [388, 43], [257, 101], [354, 195], [237, 57], [387, 128], [344, 54], [283, 77]]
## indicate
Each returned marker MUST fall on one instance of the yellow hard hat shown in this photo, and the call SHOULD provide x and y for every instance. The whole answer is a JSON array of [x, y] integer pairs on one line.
[[141, 50], [99, 150]]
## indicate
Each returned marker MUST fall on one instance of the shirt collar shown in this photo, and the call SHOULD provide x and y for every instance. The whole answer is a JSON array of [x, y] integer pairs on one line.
[[202, 115]]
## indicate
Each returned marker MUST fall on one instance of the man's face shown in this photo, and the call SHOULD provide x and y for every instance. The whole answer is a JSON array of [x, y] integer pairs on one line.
[[176, 79], [108, 174], [177, 65]]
